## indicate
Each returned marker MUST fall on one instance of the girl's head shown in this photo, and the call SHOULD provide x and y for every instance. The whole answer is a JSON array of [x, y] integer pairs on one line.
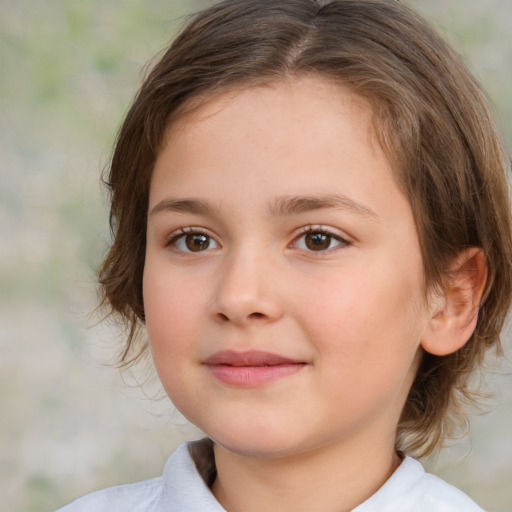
[[428, 118]]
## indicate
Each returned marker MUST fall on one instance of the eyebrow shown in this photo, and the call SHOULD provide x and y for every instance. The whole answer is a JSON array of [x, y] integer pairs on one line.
[[290, 205], [281, 206], [182, 206]]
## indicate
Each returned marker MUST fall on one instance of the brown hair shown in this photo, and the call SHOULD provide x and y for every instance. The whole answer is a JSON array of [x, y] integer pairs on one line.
[[431, 119]]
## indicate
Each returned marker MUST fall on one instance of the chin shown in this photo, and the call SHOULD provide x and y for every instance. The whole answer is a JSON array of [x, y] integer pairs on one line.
[[258, 443], [261, 450]]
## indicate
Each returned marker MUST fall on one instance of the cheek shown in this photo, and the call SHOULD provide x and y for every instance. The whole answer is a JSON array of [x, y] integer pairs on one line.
[[171, 316], [169, 322], [367, 336], [365, 312]]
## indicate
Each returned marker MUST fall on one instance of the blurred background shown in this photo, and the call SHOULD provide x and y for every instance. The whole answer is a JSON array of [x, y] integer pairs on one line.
[[70, 422]]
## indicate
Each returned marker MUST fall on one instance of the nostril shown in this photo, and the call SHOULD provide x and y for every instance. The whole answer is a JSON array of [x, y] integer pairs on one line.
[[223, 317]]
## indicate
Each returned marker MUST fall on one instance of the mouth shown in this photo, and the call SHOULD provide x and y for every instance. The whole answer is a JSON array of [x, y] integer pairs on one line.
[[250, 368]]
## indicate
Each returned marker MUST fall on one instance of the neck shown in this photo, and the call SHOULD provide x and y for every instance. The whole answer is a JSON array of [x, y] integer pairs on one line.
[[333, 478]]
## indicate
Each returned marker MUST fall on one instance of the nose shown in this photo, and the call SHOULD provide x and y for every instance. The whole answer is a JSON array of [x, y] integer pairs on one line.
[[247, 290]]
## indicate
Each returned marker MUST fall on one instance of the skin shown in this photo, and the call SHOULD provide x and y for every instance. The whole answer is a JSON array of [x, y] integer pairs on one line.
[[353, 314]]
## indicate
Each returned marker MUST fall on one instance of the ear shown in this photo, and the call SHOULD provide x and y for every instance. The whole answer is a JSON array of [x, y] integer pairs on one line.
[[455, 310]]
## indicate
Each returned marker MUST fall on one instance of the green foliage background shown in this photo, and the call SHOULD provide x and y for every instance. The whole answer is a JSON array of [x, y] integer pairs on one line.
[[69, 423]]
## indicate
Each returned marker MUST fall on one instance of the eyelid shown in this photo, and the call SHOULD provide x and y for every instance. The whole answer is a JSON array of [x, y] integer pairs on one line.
[[318, 228], [172, 238], [344, 241]]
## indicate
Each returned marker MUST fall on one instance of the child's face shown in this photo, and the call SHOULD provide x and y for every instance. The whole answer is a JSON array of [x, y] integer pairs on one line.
[[277, 234]]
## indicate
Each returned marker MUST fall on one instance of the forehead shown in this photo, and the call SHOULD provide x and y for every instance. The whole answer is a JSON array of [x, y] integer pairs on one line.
[[306, 114], [320, 91]]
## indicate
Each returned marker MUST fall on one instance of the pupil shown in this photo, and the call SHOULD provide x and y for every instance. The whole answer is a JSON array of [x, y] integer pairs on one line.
[[197, 242], [318, 241]]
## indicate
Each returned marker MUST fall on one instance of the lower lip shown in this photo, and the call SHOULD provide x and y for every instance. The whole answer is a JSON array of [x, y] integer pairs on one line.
[[253, 376]]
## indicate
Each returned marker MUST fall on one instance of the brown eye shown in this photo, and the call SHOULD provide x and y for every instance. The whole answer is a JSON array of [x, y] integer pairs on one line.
[[197, 242], [193, 241], [317, 241]]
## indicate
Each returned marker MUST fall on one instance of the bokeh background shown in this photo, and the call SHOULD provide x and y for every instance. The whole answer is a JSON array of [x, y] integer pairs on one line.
[[70, 422]]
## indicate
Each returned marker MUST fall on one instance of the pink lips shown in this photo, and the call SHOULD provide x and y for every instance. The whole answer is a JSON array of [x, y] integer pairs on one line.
[[250, 368]]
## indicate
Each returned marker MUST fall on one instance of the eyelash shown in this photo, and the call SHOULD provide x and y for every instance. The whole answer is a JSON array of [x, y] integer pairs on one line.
[[314, 230], [182, 233]]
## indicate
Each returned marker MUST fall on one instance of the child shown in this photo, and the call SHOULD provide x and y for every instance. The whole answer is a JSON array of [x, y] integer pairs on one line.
[[312, 228]]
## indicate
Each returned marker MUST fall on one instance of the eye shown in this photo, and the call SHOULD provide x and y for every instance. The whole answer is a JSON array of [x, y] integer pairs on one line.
[[192, 240], [319, 240]]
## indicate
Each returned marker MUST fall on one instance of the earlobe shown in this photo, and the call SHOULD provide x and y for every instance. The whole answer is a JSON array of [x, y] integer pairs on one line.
[[455, 312]]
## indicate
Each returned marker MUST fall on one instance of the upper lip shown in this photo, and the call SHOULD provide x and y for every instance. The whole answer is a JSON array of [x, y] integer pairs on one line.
[[248, 358]]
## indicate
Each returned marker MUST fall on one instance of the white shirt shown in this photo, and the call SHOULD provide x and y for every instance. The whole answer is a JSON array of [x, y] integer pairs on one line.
[[182, 489]]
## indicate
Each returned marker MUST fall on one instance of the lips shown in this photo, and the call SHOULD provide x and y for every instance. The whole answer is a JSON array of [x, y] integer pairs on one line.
[[251, 368]]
